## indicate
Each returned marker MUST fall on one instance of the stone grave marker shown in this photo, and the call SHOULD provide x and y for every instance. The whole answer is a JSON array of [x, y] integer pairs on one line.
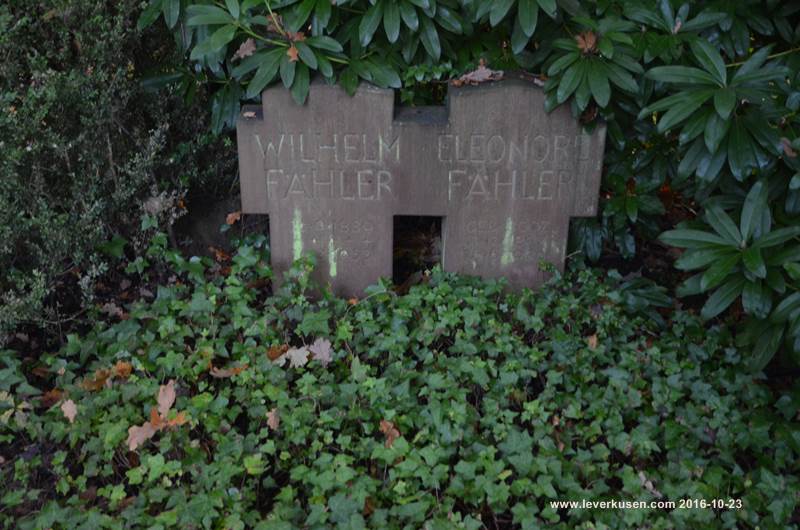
[[505, 176]]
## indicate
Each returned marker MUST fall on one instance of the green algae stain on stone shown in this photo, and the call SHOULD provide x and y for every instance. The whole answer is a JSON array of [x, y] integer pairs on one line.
[[331, 258], [507, 258], [297, 229]]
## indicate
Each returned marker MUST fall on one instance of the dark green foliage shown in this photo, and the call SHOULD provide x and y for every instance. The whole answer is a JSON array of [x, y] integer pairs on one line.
[[700, 98], [83, 147], [501, 404]]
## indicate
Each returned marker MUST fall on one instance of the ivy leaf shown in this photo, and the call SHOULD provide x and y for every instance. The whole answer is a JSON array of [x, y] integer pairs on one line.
[[315, 323]]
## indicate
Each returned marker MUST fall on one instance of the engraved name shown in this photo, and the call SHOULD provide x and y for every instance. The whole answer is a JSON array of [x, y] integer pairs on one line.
[[345, 148]]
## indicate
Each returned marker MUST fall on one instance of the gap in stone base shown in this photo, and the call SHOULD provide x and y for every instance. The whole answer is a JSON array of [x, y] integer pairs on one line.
[[417, 245]]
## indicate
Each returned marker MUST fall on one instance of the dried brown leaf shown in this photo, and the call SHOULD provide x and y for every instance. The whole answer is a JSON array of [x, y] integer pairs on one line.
[[123, 369], [70, 410], [166, 397], [233, 217], [292, 53], [221, 373], [275, 352], [98, 381], [481, 74], [389, 431], [137, 435], [51, 397], [247, 49], [587, 41], [273, 419]]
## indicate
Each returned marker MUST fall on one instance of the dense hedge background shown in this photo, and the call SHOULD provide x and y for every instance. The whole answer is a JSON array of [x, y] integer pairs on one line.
[[701, 100], [86, 150]]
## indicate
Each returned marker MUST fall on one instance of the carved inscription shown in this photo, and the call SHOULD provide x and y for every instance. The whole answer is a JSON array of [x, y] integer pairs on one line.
[[491, 167], [362, 160], [504, 175]]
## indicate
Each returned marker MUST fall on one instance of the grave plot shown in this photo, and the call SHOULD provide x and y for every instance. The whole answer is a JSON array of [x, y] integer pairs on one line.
[[504, 176]]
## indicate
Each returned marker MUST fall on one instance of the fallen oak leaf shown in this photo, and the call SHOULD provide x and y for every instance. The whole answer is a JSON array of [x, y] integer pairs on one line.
[[156, 420], [70, 410], [246, 49], [389, 431], [481, 74], [98, 381], [275, 352], [122, 369], [273, 419], [179, 419], [221, 373], [51, 397], [137, 435], [166, 397]]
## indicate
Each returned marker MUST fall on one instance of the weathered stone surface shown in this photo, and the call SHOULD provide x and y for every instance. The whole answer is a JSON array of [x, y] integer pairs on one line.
[[505, 176]]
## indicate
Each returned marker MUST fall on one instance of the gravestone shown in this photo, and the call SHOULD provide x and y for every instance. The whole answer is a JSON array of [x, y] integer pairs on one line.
[[505, 176]]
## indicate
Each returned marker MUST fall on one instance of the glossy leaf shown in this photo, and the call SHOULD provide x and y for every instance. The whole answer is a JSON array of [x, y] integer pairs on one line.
[[598, 82], [753, 203], [528, 13], [430, 38], [369, 22], [724, 102], [299, 88], [710, 59], [722, 224], [722, 298], [754, 262], [409, 15], [499, 10], [692, 239], [391, 21]]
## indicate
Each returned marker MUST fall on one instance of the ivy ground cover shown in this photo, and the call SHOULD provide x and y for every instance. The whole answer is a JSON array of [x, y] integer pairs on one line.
[[457, 405]]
